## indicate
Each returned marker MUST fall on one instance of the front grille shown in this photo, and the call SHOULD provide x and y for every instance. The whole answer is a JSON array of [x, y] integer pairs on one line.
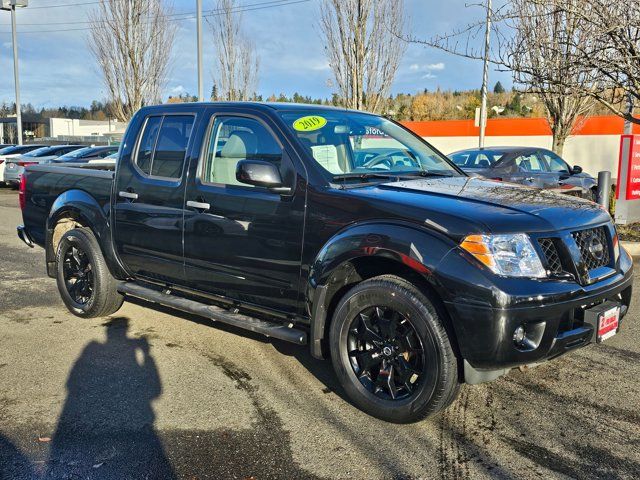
[[594, 247], [550, 252]]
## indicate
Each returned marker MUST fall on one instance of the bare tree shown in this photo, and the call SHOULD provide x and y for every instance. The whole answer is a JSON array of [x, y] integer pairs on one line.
[[613, 54], [537, 41], [364, 48], [131, 40], [540, 55], [604, 47], [236, 73]]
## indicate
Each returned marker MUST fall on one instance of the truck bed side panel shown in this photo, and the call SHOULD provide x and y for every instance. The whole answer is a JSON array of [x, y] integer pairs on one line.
[[45, 184]]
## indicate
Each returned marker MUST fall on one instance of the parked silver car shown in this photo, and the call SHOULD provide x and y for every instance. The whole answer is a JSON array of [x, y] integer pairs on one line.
[[15, 166], [13, 151], [530, 166]]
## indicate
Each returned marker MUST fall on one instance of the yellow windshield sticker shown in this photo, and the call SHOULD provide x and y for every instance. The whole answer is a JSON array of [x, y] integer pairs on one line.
[[309, 124]]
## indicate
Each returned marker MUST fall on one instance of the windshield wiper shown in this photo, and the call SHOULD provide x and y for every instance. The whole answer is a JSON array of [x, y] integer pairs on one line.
[[425, 173], [365, 176], [397, 176]]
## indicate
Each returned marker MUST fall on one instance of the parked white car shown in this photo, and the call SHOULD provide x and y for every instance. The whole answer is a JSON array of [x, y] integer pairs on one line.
[[10, 152]]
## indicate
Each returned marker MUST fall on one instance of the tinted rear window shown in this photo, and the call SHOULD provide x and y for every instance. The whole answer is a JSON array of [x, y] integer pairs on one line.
[[148, 143], [476, 158], [163, 145], [171, 147]]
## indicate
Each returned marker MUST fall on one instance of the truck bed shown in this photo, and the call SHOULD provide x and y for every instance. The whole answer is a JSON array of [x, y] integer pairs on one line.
[[45, 183]]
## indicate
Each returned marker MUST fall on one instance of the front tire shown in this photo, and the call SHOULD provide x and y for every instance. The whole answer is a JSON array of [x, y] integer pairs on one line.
[[84, 281], [391, 352]]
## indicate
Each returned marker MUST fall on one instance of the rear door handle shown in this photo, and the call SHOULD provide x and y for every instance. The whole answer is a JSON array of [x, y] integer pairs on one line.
[[129, 195], [198, 205]]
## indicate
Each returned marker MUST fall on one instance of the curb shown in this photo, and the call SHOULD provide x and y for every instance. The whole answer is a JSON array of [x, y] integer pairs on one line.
[[633, 248]]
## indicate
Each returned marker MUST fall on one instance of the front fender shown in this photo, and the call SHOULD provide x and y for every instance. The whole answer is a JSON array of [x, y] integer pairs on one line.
[[419, 249]]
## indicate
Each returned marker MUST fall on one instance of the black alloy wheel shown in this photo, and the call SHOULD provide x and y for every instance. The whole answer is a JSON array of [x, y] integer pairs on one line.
[[78, 275], [391, 351], [84, 281], [386, 353]]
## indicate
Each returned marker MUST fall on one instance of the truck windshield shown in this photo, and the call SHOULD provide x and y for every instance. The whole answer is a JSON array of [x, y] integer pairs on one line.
[[352, 144]]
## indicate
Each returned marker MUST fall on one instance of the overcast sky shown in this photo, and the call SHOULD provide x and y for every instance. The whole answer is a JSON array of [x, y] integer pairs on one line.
[[57, 69]]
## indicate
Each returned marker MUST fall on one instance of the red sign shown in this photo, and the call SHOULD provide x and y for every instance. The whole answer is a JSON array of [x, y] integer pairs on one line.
[[630, 156], [608, 323]]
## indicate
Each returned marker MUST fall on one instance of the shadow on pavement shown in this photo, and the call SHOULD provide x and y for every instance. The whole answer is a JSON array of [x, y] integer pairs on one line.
[[106, 428], [321, 369], [13, 463]]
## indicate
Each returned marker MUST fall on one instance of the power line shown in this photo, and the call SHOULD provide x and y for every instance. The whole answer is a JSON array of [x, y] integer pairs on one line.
[[179, 14], [60, 5], [187, 15]]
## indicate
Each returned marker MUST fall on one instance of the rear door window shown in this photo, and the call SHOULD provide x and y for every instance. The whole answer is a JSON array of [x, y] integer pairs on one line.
[[163, 146], [171, 147], [147, 144], [530, 163]]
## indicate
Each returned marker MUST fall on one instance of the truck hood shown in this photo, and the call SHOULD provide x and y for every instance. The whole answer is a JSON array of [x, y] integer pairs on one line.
[[463, 205]]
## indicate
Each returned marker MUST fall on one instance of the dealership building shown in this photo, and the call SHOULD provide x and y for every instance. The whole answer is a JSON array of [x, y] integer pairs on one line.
[[64, 130]]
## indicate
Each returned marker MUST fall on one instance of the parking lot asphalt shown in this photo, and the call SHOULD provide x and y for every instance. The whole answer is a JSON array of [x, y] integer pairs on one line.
[[151, 393]]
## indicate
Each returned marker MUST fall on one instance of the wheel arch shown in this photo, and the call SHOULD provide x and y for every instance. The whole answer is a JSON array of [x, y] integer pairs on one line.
[[370, 250], [78, 209]]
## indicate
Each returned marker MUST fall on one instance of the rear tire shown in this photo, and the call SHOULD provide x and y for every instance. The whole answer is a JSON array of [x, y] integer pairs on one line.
[[84, 281], [391, 352]]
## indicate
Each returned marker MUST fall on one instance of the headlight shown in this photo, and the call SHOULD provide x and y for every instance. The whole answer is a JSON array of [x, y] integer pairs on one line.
[[509, 255]]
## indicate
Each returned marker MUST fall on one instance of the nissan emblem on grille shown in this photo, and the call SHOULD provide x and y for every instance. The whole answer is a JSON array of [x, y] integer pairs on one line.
[[596, 249]]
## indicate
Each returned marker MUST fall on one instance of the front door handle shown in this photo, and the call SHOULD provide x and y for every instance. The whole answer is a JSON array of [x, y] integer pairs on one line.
[[198, 205], [129, 195]]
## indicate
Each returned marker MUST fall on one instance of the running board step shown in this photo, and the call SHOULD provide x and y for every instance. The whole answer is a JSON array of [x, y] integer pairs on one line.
[[214, 313]]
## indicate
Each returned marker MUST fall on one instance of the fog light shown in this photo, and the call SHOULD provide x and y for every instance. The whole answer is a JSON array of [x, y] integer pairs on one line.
[[527, 337], [519, 335]]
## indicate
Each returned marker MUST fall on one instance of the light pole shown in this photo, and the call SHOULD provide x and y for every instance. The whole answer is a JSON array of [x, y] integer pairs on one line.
[[485, 77], [199, 41], [11, 5]]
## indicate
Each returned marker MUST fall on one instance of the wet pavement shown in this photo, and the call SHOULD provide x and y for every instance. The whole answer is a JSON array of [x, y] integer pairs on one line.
[[150, 393]]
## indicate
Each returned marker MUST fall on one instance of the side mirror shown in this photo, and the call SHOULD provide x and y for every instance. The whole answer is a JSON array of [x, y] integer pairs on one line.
[[576, 170], [261, 174]]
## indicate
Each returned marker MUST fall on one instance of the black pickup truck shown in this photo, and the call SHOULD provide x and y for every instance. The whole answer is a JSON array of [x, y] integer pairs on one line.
[[337, 229]]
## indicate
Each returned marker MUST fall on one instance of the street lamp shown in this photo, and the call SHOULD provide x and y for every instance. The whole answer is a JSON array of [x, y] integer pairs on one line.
[[11, 5], [199, 48]]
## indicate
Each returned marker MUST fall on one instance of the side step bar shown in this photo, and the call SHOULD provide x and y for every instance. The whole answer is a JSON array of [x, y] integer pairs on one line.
[[214, 313]]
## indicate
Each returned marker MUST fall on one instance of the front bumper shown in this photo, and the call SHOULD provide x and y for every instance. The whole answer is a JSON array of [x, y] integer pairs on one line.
[[554, 310]]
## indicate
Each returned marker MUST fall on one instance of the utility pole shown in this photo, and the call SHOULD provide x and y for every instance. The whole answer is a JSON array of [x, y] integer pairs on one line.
[[485, 77], [11, 5], [199, 41]]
